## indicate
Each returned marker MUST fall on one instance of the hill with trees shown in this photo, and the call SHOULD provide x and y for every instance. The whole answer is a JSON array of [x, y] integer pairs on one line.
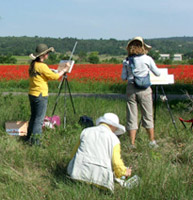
[[23, 46]]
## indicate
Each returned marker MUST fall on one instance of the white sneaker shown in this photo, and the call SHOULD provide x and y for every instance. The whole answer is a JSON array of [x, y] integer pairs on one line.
[[153, 144]]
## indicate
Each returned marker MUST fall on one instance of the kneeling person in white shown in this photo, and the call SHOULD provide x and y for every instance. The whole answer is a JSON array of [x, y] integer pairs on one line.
[[97, 157]]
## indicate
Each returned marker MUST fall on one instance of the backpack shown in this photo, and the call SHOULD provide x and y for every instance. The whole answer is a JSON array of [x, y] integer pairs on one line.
[[140, 82]]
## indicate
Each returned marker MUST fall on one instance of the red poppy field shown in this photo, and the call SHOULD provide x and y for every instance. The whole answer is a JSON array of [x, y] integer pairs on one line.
[[96, 72]]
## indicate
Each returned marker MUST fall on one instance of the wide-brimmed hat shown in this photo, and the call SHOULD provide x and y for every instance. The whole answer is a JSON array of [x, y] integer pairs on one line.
[[113, 120], [41, 49], [146, 46]]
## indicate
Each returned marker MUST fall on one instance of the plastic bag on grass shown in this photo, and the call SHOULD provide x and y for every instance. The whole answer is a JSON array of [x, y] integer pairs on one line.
[[51, 122]]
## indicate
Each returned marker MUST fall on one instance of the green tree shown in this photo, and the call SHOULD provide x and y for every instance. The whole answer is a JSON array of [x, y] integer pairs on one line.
[[64, 57], [53, 58], [154, 54], [8, 59], [93, 57], [167, 61], [190, 61], [188, 55], [82, 56], [113, 60]]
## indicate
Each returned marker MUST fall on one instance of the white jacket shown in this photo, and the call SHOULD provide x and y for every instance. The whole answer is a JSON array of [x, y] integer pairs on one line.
[[93, 160]]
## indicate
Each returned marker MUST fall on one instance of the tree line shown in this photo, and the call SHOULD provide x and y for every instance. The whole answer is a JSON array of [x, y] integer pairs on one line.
[[89, 49]]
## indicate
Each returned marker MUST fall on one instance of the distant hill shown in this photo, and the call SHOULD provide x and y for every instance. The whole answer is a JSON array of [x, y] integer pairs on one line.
[[25, 45], [173, 45]]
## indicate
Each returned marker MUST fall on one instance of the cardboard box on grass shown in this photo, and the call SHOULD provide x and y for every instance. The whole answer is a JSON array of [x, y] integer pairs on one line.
[[18, 128]]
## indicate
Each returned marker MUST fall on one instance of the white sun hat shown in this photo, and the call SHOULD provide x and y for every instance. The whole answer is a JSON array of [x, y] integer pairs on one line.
[[113, 120], [146, 46]]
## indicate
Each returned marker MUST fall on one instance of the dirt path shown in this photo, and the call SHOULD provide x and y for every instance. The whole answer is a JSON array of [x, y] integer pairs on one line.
[[102, 95]]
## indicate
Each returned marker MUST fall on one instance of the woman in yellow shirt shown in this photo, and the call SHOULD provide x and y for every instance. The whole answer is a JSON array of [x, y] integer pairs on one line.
[[39, 75]]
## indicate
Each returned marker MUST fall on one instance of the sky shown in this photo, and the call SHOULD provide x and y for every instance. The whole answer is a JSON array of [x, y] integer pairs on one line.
[[96, 19]]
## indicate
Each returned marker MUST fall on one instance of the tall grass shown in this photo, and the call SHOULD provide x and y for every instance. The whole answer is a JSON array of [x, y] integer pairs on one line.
[[90, 87], [30, 172]]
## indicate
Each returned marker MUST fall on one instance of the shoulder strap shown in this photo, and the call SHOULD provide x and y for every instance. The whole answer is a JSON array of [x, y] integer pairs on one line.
[[131, 62]]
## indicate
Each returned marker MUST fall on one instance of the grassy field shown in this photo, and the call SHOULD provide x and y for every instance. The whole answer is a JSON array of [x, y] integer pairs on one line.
[[91, 87], [22, 59], [31, 173]]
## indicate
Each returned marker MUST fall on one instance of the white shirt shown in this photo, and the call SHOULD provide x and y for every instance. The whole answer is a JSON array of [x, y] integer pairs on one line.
[[143, 64], [93, 160]]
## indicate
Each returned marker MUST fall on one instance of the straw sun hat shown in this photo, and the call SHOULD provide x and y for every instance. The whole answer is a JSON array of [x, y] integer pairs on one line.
[[113, 120], [41, 49], [147, 47]]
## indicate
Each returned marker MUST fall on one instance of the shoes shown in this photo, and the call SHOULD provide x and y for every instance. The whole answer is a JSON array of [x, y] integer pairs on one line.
[[153, 144]]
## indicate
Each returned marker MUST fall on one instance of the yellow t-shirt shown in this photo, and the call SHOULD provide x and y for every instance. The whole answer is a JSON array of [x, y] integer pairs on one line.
[[39, 83]]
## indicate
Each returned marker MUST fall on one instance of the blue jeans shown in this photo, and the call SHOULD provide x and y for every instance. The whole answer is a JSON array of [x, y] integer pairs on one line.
[[38, 112]]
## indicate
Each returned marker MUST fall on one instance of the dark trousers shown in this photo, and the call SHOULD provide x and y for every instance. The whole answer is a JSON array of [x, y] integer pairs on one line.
[[38, 111]]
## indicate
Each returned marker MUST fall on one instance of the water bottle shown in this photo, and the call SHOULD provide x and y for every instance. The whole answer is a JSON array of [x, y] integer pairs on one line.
[[131, 182]]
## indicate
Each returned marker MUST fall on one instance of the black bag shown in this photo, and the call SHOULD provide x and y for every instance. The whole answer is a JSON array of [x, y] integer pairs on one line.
[[86, 121], [142, 82]]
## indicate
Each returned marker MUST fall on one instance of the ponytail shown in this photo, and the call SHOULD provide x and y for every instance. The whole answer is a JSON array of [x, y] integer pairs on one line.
[[32, 72]]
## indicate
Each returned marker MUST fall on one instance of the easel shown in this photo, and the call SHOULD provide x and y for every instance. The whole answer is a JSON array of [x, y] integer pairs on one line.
[[64, 78], [165, 99]]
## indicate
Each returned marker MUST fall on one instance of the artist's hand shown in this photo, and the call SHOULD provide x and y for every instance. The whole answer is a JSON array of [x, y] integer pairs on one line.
[[66, 68], [128, 171], [62, 72], [67, 65]]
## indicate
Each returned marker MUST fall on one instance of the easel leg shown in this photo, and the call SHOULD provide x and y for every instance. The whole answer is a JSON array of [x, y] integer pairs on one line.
[[60, 88], [183, 124], [65, 92], [168, 107], [70, 96]]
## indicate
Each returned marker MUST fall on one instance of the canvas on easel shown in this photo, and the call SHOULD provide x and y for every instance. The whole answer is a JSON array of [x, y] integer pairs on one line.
[[63, 65], [163, 79]]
